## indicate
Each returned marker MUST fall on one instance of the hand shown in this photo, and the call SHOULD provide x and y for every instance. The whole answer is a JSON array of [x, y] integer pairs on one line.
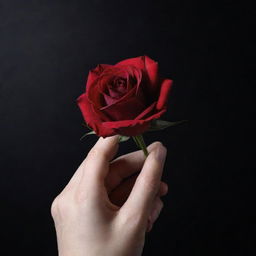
[[107, 207]]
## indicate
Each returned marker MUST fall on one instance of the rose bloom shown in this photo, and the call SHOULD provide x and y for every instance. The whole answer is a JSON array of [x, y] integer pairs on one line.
[[124, 98]]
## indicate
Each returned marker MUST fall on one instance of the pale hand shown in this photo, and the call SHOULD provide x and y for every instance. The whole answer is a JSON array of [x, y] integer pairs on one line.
[[109, 205]]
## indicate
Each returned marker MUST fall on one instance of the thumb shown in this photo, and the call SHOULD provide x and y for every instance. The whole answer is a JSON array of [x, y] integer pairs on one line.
[[146, 187]]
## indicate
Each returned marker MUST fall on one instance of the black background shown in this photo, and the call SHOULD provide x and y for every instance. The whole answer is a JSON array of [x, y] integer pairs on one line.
[[46, 50]]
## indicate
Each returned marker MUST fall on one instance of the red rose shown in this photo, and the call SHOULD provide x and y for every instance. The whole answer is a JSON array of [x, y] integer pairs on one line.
[[124, 98]]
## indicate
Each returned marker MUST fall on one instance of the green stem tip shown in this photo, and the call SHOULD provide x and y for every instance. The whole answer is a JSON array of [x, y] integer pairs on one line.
[[141, 143]]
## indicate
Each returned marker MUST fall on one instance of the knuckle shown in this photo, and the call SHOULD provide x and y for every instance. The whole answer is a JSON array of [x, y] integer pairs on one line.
[[97, 153], [132, 220], [55, 207], [60, 206]]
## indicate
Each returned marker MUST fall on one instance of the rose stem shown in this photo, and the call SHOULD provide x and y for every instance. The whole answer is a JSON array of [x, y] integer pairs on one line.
[[141, 143]]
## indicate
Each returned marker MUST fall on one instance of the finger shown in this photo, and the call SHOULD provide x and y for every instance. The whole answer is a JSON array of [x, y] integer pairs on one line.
[[147, 184], [155, 212], [163, 190], [125, 166], [120, 194], [96, 165]]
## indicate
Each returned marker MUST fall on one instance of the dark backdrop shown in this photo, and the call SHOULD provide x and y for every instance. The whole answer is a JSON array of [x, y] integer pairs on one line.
[[47, 48]]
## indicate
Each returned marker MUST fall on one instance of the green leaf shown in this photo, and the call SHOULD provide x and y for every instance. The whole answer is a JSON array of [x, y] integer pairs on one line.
[[158, 124], [123, 138], [88, 133]]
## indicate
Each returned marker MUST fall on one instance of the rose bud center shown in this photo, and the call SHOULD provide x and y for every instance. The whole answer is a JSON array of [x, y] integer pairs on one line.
[[120, 85], [117, 88]]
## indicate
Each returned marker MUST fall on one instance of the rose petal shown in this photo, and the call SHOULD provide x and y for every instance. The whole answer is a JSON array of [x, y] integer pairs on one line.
[[164, 94], [125, 97], [146, 112], [93, 117], [138, 62], [130, 123], [135, 130], [125, 109], [152, 70], [92, 87], [113, 71], [156, 115], [123, 123], [118, 88], [149, 67], [95, 74], [106, 84], [95, 97], [109, 100], [132, 127], [101, 67], [128, 127], [92, 77], [138, 75]]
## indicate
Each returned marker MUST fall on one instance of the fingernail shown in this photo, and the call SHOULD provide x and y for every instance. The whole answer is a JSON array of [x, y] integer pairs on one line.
[[160, 153]]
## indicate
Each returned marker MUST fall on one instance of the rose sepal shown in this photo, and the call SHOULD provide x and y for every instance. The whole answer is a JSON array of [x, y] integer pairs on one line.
[[159, 124]]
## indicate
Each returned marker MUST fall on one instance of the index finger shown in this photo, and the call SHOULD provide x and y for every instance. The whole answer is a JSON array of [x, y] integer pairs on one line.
[[96, 165], [147, 184]]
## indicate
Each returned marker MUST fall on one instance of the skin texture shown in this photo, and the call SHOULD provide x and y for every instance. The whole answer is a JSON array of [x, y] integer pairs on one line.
[[108, 205]]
